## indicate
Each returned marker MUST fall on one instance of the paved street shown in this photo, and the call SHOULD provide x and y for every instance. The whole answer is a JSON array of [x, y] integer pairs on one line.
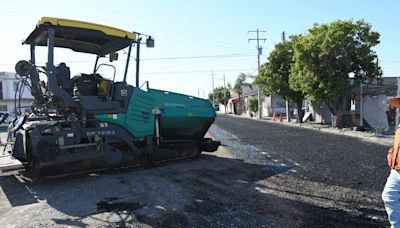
[[318, 156], [349, 172], [265, 175]]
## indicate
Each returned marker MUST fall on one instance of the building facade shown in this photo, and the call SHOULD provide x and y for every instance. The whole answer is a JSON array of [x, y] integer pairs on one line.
[[364, 106], [8, 88], [270, 104]]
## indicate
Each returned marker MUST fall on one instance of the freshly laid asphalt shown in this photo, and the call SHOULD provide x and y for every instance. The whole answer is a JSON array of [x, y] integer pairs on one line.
[[266, 174], [319, 156]]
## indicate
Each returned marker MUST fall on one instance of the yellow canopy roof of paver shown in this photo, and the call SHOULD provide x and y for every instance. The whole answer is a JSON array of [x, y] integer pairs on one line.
[[81, 36]]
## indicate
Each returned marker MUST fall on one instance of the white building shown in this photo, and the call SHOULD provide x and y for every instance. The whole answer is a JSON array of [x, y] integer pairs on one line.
[[8, 87]]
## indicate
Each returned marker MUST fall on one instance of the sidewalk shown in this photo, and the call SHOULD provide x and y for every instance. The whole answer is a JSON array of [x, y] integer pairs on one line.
[[386, 140]]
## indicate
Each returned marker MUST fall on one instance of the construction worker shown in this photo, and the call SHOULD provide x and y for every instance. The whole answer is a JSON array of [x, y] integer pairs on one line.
[[391, 192]]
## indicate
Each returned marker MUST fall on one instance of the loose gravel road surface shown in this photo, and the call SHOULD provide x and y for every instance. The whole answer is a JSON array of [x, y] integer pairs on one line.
[[265, 175], [335, 173]]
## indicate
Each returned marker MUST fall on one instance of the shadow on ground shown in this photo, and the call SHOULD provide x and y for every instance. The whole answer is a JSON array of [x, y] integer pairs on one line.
[[207, 192]]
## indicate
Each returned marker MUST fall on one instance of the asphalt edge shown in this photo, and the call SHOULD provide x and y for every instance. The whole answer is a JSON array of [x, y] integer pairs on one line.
[[385, 140]]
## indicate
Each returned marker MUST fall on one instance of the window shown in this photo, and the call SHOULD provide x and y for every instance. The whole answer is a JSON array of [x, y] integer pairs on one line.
[[1, 90], [3, 107]]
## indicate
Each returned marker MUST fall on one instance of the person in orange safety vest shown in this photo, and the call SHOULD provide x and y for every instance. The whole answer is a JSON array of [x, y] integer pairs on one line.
[[391, 192]]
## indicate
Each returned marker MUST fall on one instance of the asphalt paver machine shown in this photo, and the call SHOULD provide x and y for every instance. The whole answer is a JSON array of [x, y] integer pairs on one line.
[[89, 121]]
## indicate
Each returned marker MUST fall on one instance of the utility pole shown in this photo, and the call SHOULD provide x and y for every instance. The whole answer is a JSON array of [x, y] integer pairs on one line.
[[287, 102], [259, 52], [225, 101], [213, 95]]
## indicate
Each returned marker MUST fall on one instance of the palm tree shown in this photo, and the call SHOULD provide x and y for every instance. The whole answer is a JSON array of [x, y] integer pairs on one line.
[[240, 81]]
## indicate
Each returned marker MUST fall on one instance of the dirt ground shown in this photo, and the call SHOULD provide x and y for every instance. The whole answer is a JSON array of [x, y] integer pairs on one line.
[[227, 188]]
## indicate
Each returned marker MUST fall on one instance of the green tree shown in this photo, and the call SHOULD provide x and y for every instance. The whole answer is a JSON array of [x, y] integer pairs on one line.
[[274, 74], [326, 57], [252, 104], [219, 95]]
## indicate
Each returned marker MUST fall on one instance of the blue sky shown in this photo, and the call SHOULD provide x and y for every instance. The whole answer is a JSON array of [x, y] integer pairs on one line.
[[194, 30]]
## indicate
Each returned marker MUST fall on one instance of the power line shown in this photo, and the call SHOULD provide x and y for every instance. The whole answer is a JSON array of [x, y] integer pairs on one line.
[[200, 71], [21, 3], [197, 71], [176, 36], [238, 55], [204, 42], [183, 64], [203, 56]]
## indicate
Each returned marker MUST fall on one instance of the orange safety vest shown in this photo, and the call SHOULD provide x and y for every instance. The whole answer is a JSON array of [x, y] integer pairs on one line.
[[394, 153]]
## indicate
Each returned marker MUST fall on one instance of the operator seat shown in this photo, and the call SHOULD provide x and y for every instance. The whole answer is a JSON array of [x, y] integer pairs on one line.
[[63, 77]]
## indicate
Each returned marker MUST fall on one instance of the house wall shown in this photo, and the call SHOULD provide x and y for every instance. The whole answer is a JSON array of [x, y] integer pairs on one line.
[[274, 105], [8, 86], [375, 112], [320, 113]]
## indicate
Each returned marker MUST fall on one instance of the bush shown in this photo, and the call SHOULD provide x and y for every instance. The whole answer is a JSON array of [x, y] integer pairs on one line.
[[252, 104]]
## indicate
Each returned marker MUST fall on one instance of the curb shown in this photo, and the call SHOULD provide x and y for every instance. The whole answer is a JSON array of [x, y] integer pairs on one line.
[[385, 140]]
